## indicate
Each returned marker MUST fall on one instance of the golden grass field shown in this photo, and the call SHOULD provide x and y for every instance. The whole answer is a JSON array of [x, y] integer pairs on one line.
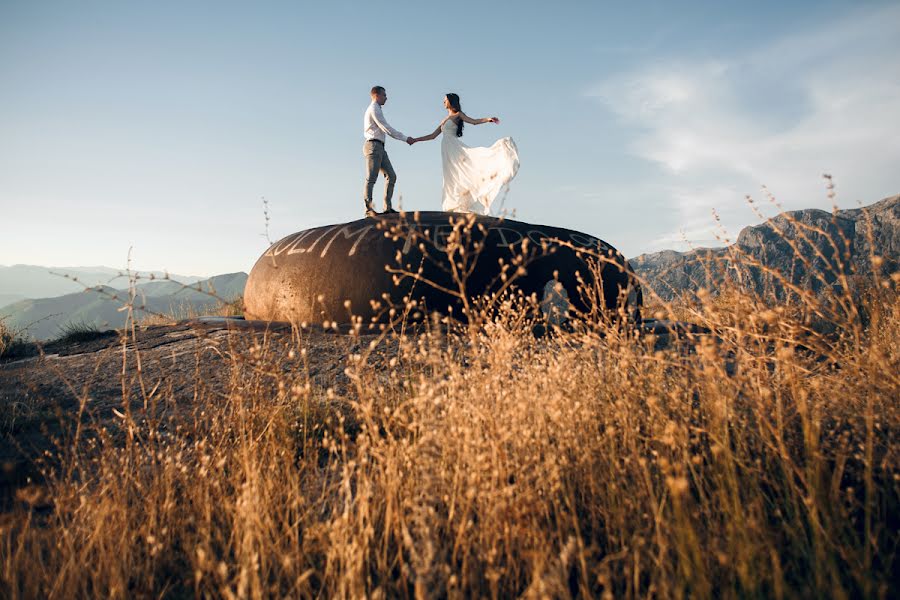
[[757, 461]]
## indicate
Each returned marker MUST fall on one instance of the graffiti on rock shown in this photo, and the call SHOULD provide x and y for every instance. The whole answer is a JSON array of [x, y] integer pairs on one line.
[[292, 243]]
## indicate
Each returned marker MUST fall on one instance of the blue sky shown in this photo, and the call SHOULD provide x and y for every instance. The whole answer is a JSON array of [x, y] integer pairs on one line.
[[159, 126]]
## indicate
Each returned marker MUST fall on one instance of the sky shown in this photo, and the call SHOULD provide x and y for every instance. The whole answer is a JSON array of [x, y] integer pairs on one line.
[[157, 129]]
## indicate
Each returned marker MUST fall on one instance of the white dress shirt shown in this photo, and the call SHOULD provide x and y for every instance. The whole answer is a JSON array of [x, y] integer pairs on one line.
[[374, 125]]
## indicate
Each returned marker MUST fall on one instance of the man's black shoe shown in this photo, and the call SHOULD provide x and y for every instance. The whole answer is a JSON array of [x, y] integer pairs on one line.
[[371, 213], [389, 211]]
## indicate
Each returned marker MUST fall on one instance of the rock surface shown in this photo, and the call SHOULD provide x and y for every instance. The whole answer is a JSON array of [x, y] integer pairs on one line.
[[365, 267]]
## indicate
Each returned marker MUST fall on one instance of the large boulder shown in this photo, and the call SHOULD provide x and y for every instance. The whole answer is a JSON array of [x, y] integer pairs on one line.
[[364, 267]]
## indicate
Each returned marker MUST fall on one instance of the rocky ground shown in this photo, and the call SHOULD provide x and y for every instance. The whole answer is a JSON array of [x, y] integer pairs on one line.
[[42, 396]]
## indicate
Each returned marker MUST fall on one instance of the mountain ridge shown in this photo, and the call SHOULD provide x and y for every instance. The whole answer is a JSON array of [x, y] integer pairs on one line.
[[826, 240], [99, 306], [21, 281]]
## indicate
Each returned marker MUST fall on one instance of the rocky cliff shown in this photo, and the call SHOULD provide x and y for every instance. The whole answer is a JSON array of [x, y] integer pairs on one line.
[[808, 248]]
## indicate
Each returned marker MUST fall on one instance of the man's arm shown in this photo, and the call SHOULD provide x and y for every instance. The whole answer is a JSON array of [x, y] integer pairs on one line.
[[383, 125]]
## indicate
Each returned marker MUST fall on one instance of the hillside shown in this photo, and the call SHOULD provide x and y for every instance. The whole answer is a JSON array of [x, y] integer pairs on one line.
[[100, 306], [6, 299], [812, 231]]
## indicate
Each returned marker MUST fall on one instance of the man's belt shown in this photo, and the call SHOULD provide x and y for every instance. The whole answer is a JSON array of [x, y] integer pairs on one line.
[[374, 140]]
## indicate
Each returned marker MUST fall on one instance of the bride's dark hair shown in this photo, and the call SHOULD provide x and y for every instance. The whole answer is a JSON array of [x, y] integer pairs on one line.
[[453, 99]]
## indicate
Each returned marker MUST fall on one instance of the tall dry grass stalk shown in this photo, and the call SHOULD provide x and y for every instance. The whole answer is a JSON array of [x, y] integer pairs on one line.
[[759, 460]]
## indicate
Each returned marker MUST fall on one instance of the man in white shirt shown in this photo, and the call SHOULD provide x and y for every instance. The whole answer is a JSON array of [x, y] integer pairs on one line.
[[374, 128]]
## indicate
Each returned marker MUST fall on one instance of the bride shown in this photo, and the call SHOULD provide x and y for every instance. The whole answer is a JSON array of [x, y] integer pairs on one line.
[[473, 177]]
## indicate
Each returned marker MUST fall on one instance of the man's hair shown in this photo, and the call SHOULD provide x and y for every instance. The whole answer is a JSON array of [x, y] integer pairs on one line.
[[377, 90]]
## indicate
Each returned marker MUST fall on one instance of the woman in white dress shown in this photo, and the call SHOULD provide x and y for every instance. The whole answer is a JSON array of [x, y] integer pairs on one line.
[[473, 177]]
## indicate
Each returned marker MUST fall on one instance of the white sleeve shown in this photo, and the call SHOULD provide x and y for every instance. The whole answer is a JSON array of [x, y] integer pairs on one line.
[[383, 125]]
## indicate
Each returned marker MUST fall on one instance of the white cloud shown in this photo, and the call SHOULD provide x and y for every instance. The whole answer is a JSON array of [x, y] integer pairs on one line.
[[697, 224], [822, 101]]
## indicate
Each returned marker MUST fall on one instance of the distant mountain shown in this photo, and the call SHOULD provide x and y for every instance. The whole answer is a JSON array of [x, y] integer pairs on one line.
[[812, 231], [31, 281], [99, 306]]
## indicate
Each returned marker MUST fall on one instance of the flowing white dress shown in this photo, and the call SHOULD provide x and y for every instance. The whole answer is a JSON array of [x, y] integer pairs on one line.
[[474, 177]]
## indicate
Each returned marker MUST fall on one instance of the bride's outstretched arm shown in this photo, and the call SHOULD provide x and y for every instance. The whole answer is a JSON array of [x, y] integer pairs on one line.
[[429, 137], [472, 121]]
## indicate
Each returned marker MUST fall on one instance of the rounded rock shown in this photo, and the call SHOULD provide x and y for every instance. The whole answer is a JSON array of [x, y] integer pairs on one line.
[[442, 261]]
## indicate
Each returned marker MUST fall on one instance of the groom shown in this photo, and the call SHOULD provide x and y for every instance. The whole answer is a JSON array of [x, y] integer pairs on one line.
[[374, 128]]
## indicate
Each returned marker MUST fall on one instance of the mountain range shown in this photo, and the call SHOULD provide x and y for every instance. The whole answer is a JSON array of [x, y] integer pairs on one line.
[[807, 247], [100, 305], [20, 282]]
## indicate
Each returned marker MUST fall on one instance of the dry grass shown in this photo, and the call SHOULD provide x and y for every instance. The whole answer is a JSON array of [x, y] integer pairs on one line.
[[759, 461], [12, 342], [186, 310]]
